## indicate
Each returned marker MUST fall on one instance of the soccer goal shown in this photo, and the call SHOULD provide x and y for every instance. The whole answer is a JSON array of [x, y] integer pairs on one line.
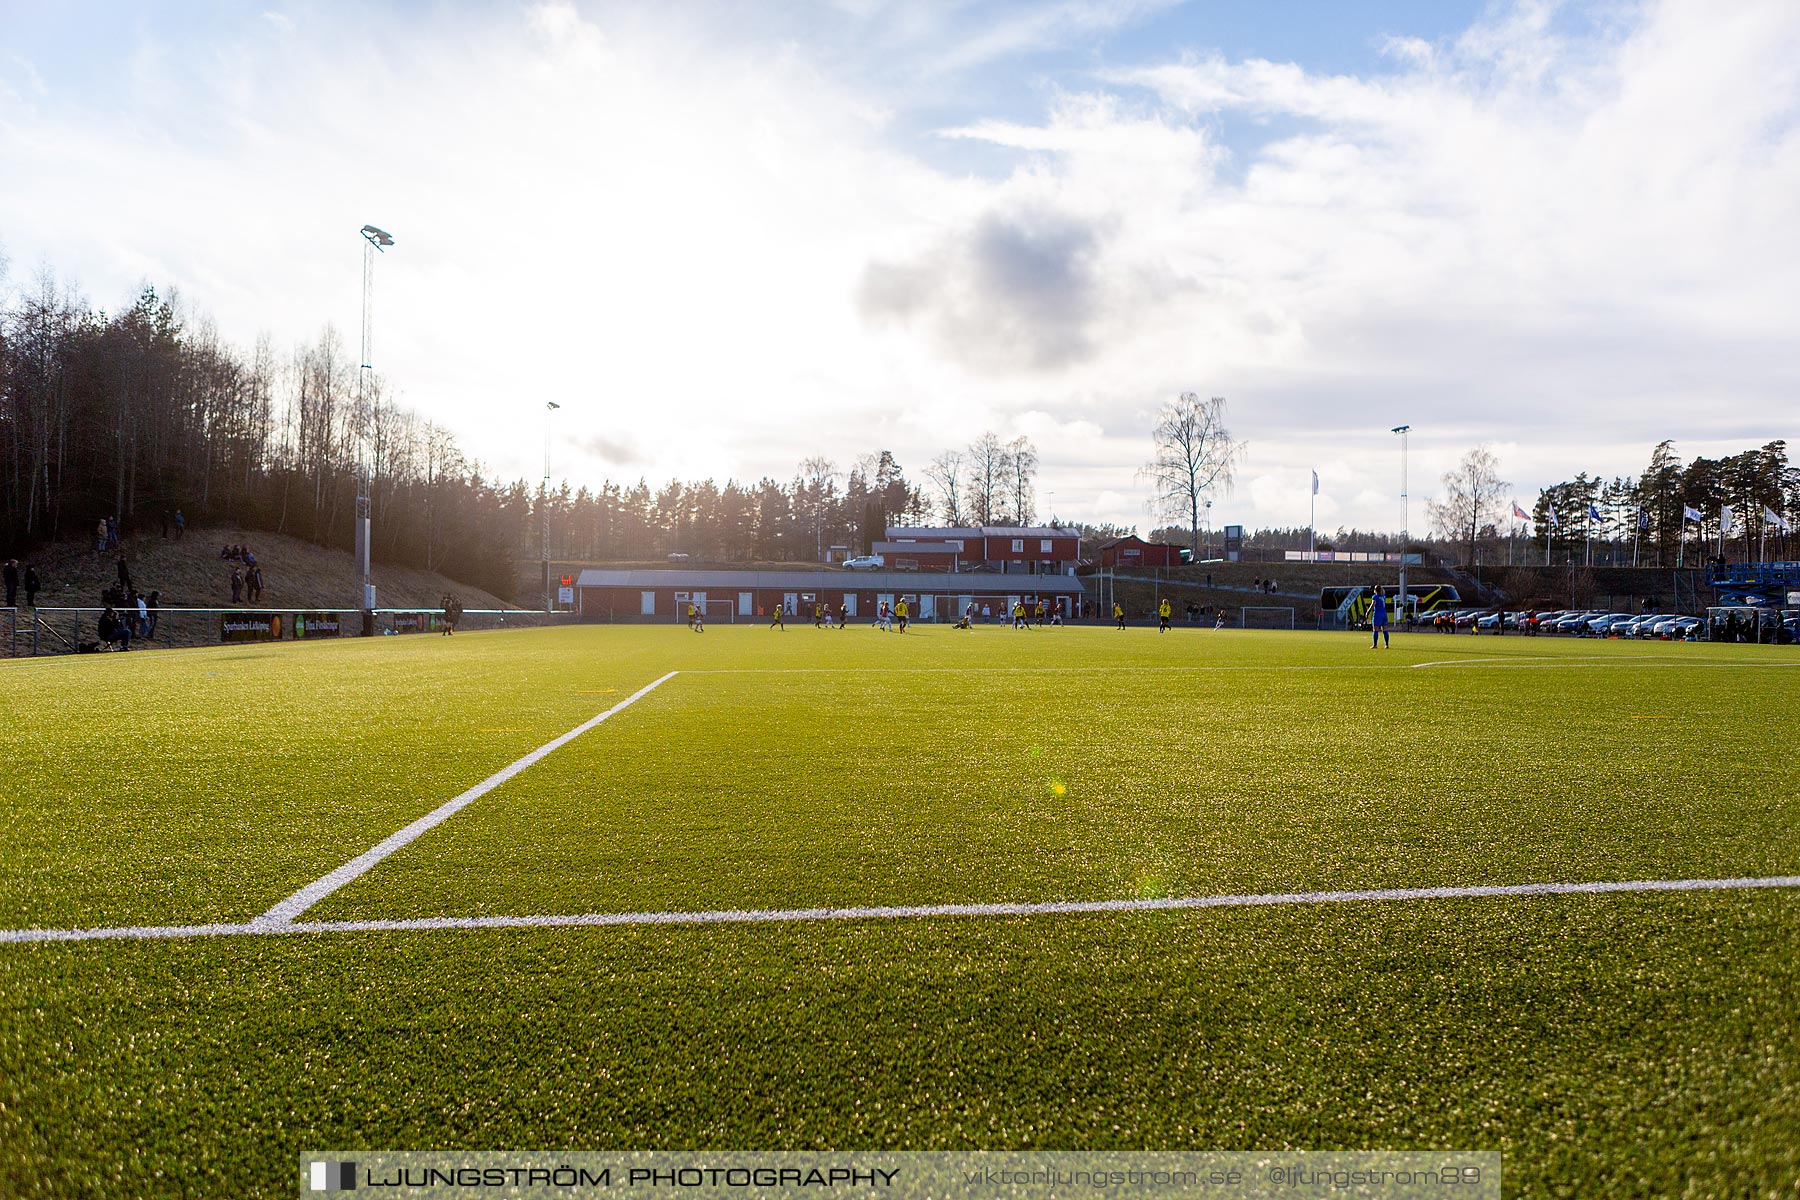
[[1255, 617]]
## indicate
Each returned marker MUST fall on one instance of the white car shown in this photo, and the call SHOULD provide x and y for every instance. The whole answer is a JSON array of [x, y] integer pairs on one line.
[[865, 562]]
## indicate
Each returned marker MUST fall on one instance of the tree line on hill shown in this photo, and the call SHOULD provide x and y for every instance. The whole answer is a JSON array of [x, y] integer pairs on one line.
[[146, 411], [1647, 520]]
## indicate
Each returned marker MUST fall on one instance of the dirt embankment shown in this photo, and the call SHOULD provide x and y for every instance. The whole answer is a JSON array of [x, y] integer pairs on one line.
[[190, 574]]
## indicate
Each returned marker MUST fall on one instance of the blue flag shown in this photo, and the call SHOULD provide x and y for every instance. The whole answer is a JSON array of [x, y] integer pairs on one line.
[[1594, 514]]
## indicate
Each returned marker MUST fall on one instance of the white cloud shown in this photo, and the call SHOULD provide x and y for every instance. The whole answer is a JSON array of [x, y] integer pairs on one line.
[[721, 256]]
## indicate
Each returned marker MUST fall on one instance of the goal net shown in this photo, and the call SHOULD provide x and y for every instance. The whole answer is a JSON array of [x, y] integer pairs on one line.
[[1266, 618]]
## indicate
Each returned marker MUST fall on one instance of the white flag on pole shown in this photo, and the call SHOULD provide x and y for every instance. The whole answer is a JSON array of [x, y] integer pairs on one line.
[[1315, 483], [1691, 514], [1771, 517], [1725, 521]]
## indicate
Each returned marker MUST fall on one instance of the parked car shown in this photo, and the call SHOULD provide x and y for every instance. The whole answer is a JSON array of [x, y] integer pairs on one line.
[[865, 562]]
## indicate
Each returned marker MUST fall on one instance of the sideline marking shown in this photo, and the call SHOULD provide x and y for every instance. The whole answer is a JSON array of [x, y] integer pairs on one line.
[[770, 916], [284, 912]]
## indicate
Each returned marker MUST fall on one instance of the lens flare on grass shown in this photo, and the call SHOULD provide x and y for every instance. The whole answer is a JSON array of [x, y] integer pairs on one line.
[[1056, 787], [1149, 883]]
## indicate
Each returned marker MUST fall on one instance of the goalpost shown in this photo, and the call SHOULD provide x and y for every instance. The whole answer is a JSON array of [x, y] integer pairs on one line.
[[1270, 617]]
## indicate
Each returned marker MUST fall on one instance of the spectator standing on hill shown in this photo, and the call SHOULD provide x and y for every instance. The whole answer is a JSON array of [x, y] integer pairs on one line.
[[180, 524], [31, 586], [165, 523], [100, 535], [1378, 621], [12, 582], [143, 617], [255, 580], [112, 533], [237, 586], [151, 606], [124, 576]]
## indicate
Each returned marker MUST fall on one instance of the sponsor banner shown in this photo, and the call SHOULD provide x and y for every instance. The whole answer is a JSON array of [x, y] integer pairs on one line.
[[251, 627], [417, 622], [909, 1175], [318, 624]]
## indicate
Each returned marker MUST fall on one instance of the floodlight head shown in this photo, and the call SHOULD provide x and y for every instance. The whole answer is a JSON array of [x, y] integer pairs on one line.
[[378, 238], [1401, 428], [551, 404]]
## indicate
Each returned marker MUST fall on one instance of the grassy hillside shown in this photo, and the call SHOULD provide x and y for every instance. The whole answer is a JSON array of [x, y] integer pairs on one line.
[[189, 573]]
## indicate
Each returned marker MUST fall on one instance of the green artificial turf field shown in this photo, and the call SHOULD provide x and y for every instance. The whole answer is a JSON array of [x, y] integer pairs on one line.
[[1627, 1043]]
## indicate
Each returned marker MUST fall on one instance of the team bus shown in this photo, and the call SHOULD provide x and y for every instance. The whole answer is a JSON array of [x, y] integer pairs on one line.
[[1349, 606]]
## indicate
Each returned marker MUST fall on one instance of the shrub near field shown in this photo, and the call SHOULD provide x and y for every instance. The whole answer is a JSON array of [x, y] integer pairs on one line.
[[1639, 1043]]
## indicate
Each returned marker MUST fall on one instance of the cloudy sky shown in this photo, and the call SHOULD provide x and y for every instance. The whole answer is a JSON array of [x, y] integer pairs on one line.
[[728, 236]]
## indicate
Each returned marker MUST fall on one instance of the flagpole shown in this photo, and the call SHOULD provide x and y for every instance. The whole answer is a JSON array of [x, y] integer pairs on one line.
[[1635, 535], [1312, 520]]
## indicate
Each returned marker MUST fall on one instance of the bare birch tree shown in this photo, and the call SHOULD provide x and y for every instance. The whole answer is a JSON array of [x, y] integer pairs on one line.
[[1195, 456], [985, 484], [945, 475], [1471, 498], [1021, 473]]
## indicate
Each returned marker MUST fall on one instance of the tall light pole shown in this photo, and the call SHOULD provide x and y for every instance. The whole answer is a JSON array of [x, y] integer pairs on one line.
[[373, 240], [1405, 514], [550, 406]]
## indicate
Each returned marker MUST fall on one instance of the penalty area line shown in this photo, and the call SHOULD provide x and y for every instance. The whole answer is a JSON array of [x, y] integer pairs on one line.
[[913, 911], [284, 912]]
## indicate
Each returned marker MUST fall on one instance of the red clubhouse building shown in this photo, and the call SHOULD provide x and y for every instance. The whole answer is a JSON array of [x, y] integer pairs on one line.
[[940, 573]]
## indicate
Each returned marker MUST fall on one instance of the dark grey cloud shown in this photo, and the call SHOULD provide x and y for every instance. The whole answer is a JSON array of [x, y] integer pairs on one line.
[[617, 451], [1012, 291]]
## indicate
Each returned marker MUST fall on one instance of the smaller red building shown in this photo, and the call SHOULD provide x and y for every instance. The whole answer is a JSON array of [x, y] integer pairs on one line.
[[1134, 551]]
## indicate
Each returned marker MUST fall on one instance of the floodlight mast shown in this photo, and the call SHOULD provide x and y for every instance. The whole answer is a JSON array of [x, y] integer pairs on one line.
[[374, 239], [550, 406], [1405, 515]]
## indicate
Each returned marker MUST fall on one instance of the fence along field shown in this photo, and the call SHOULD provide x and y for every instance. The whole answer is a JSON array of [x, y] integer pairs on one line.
[[987, 769]]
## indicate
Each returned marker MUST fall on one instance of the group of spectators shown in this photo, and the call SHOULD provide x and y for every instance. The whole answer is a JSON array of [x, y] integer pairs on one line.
[[29, 580], [128, 613], [137, 620], [1261, 585], [246, 574]]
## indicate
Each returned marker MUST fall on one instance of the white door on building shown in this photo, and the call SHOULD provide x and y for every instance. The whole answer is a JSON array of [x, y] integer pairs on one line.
[[647, 603], [850, 604], [745, 603]]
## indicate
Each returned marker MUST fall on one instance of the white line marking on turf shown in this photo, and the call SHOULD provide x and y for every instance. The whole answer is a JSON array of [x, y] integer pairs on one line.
[[284, 912], [1457, 662], [769, 916]]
